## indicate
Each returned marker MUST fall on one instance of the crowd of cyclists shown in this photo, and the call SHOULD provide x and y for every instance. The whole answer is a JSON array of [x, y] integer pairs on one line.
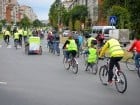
[[94, 46]]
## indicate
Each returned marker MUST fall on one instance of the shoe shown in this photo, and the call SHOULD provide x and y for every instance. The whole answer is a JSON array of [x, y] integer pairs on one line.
[[110, 82]]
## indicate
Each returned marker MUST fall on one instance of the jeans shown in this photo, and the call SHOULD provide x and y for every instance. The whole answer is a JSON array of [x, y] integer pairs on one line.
[[56, 47], [136, 58]]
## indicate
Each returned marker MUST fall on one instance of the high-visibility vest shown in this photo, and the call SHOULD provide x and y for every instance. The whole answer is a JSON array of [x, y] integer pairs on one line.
[[72, 45], [92, 56], [7, 33], [89, 41], [115, 49], [16, 35], [25, 33], [35, 40]]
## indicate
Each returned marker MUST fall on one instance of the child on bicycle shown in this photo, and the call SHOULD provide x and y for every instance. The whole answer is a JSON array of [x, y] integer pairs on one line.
[[136, 45], [92, 55]]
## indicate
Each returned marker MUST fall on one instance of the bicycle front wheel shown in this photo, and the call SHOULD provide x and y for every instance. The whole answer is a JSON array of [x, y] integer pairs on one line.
[[75, 66], [130, 64], [103, 74], [121, 82]]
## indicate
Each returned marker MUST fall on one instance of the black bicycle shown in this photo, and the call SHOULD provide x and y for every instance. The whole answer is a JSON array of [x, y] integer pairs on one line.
[[71, 64], [130, 64], [119, 77]]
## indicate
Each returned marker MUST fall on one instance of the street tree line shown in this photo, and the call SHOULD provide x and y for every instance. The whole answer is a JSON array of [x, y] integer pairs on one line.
[[126, 11]]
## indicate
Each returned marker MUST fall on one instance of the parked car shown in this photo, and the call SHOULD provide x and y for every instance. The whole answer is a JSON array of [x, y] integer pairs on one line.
[[66, 33]]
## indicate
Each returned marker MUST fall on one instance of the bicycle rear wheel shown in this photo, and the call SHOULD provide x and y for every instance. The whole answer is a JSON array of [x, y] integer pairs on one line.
[[130, 64], [121, 82], [66, 63], [75, 66], [138, 72], [103, 74], [93, 68]]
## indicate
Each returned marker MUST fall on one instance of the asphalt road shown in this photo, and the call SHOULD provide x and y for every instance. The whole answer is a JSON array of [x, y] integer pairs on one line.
[[42, 80]]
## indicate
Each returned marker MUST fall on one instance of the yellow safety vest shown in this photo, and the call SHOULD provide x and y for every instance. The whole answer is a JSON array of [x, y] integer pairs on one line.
[[72, 45], [115, 49]]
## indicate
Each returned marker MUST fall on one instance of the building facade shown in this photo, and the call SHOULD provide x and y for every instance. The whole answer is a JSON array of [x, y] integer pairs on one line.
[[94, 9], [12, 12]]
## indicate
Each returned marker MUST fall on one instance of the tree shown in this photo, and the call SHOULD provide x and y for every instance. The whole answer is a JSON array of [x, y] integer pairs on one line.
[[77, 25], [80, 13], [123, 16], [25, 22], [37, 23]]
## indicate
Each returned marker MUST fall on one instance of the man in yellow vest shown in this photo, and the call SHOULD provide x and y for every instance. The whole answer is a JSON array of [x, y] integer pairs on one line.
[[116, 53], [16, 38], [7, 36], [25, 35], [90, 40], [20, 31], [71, 47]]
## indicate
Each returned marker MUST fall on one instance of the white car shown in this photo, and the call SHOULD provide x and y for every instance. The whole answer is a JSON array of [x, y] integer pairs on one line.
[[66, 33]]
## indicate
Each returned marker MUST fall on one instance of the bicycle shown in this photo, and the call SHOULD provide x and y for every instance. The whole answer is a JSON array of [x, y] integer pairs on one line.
[[72, 64], [130, 64], [92, 66], [119, 77]]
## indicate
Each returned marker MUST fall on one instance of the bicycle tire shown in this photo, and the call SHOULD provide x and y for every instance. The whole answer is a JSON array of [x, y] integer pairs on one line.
[[138, 72], [121, 80], [75, 66], [93, 68], [130, 64], [66, 64], [103, 74]]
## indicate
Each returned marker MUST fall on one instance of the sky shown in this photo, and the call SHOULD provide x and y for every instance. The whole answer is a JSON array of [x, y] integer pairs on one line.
[[40, 7]]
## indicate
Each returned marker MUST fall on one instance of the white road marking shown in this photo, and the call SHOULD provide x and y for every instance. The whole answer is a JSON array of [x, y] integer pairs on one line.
[[3, 83]]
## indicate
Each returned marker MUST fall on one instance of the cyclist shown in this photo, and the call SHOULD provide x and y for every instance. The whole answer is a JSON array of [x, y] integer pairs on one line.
[[71, 47], [7, 36], [20, 31], [136, 45], [16, 38], [89, 40], [100, 39], [92, 55], [116, 53]]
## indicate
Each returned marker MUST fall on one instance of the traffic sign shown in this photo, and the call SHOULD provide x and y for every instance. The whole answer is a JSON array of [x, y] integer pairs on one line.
[[113, 20]]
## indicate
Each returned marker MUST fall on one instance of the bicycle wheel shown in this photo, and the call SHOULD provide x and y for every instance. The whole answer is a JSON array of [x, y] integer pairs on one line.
[[138, 72], [121, 82], [74, 66], [66, 63], [94, 68], [103, 74], [130, 64]]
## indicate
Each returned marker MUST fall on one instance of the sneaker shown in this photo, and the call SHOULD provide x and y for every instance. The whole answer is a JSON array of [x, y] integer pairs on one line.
[[110, 82]]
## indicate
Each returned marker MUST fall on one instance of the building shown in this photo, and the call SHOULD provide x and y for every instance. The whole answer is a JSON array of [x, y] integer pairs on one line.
[[12, 12], [94, 9], [27, 11]]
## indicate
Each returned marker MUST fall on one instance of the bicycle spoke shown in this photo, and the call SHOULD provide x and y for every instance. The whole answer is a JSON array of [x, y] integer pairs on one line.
[[121, 82]]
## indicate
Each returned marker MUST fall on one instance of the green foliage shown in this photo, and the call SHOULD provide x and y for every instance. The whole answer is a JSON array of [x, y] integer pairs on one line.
[[123, 16], [77, 25], [25, 22], [79, 12], [70, 25], [37, 23]]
